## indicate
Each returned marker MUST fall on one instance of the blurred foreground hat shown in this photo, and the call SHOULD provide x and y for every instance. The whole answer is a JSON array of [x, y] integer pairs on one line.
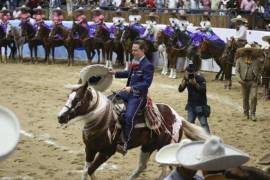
[[9, 132]]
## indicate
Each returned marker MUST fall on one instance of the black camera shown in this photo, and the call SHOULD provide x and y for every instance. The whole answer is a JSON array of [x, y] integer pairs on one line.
[[191, 76]]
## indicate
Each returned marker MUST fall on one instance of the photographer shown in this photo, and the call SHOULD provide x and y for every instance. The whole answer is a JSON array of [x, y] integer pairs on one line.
[[197, 101]]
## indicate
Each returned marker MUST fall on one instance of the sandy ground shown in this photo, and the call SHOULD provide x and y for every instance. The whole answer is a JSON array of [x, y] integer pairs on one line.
[[36, 94]]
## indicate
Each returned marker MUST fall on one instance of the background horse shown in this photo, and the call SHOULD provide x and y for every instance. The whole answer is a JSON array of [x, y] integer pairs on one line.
[[227, 61], [29, 32], [129, 35], [208, 50], [15, 34], [6, 43], [100, 133], [117, 46], [42, 35]]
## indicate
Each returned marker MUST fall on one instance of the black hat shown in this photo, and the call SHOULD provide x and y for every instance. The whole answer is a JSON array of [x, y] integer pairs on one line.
[[24, 9], [4, 10]]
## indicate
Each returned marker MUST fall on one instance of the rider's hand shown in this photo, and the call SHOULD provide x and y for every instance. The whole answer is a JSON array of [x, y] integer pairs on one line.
[[127, 89]]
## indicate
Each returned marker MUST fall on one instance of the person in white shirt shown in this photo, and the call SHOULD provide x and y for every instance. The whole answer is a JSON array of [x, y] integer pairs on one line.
[[172, 4], [134, 16], [241, 30], [205, 24]]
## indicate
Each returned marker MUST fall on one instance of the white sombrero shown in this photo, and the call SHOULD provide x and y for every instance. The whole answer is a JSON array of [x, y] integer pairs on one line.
[[248, 47], [97, 76], [9, 132], [211, 155], [167, 154], [239, 18]]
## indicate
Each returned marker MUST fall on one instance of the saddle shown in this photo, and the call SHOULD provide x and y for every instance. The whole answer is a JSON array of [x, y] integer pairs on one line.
[[148, 115]]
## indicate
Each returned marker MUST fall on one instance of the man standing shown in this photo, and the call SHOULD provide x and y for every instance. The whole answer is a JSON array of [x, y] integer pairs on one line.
[[197, 100], [140, 76], [247, 71]]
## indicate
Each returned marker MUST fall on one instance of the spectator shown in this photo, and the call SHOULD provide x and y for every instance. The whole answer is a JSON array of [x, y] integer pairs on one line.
[[197, 100], [194, 5], [248, 6], [142, 3], [159, 5], [150, 4], [205, 4], [172, 5]]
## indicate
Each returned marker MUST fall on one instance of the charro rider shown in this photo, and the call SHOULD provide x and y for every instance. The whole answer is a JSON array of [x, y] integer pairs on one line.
[[140, 76], [98, 19], [81, 19], [57, 18], [134, 21], [241, 30], [118, 23], [4, 18], [149, 33], [25, 16], [39, 16], [206, 33]]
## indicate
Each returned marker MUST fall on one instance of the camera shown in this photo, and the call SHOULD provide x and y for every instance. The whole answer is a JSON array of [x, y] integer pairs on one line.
[[191, 76]]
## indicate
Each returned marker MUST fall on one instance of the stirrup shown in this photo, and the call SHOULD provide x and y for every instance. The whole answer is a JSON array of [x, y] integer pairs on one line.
[[122, 149]]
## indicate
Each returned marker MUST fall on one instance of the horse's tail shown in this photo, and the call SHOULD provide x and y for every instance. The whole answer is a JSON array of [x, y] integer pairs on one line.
[[191, 131]]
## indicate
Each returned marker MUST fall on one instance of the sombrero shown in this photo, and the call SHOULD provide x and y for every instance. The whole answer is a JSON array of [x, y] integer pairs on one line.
[[58, 10], [167, 154], [79, 11], [152, 14], [97, 76], [255, 51], [239, 18], [24, 9], [266, 38], [4, 10], [39, 9], [210, 155], [9, 132]]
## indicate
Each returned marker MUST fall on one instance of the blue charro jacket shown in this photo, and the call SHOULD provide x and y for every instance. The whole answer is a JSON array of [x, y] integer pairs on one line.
[[139, 78]]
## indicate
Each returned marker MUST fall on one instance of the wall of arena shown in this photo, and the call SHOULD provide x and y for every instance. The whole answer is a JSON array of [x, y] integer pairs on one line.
[[207, 65]]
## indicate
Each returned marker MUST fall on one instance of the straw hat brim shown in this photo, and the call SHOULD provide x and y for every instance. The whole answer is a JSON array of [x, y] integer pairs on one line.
[[9, 127], [255, 51], [239, 19], [97, 76], [266, 38], [167, 154], [189, 156], [5, 11]]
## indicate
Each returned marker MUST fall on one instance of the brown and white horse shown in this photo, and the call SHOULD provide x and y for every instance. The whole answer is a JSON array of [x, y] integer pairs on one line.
[[101, 134]]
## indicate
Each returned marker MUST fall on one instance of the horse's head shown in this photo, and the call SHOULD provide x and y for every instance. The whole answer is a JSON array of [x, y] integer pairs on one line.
[[118, 33], [42, 31], [27, 29], [77, 104], [130, 33], [78, 29], [102, 32]]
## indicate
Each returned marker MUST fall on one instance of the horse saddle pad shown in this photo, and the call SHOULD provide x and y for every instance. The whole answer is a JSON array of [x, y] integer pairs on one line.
[[148, 116]]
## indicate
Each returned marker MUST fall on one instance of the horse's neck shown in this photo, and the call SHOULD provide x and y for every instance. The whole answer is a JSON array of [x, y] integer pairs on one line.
[[102, 114]]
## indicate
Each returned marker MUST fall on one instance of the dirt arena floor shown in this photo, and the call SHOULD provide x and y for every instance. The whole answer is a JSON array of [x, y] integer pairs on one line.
[[36, 94]]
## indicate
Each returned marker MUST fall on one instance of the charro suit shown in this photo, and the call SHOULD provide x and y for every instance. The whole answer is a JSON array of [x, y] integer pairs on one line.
[[139, 79], [248, 73]]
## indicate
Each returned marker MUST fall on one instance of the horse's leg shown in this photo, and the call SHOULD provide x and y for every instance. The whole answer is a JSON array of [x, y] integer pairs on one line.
[[88, 53], [100, 159], [36, 58], [1, 58], [90, 155], [127, 60], [6, 59], [142, 164], [72, 56], [103, 55], [53, 54]]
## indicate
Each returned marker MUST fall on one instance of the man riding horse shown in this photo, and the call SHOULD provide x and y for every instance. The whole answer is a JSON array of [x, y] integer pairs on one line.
[[241, 31], [118, 23], [149, 33], [140, 76], [134, 21], [57, 18], [5, 17], [39, 16]]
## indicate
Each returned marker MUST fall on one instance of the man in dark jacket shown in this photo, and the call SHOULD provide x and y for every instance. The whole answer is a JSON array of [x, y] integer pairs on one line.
[[197, 100], [140, 76]]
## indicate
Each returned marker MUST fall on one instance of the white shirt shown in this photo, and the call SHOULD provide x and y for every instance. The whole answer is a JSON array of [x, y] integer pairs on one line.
[[183, 24], [118, 20], [172, 4], [150, 26], [134, 18], [241, 33], [116, 3]]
